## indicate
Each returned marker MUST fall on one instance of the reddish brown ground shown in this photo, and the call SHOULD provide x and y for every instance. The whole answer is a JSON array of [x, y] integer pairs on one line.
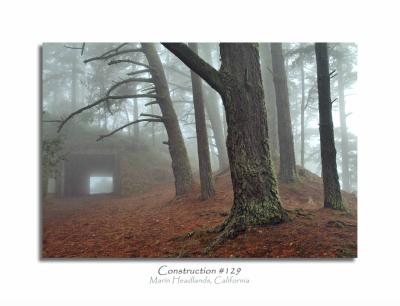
[[154, 225]]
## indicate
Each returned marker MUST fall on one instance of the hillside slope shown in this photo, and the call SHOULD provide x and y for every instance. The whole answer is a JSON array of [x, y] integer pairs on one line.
[[155, 224]]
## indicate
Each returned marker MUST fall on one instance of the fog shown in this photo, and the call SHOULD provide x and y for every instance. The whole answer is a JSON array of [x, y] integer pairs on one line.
[[69, 84]]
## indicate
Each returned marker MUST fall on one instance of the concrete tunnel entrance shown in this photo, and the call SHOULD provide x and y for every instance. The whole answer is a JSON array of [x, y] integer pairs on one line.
[[86, 174]]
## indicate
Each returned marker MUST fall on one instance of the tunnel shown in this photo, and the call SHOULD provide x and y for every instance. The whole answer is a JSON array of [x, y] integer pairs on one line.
[[84, 173]]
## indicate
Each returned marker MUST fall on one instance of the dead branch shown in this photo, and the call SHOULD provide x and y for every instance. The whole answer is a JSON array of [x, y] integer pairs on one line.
[[73, 114], [152, 103], [128, 61], [126, 125], [151, 88], [130, 80], [139, 71], [112, 53], [151, 115], [82, 48]]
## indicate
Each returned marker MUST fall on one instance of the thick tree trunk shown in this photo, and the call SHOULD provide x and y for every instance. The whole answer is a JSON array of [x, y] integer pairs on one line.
[[256, 199], [213, 112], [287, 163], [206, 178], [180, 161], [332, 195], [343, 128], [302, 113], [270, 100]]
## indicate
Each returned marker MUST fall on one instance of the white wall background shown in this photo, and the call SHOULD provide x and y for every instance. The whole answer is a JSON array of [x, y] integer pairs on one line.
[[373, 277]]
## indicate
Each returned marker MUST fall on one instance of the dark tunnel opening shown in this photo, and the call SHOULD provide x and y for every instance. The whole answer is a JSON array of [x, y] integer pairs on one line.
[[88, 174]]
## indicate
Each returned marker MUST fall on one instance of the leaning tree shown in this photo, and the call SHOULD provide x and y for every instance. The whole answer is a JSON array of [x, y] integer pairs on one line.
[[256, 199], [159, 92]]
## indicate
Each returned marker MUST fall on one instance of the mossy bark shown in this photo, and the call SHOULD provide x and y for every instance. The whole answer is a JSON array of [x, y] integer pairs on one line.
[[332, 195], [256, 199]]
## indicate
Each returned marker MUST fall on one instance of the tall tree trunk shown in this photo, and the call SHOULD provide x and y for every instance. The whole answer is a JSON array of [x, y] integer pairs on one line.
[[343, 128], [302, 112], [287, 163], [256, 199], [270, 100], [332, 195], [73, 83], [213, 112], [206, 178], [180, 161]]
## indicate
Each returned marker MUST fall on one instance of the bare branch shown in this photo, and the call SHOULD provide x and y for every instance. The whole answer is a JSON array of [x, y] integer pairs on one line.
[[70, 47], [130, 80], [151, 115], [126, 125], [333, 101], [112, 53], [147, 88], [115, 49], [128, 61], [139, 71], [197, 64], [82, 48], [100, 101], [152, 103]]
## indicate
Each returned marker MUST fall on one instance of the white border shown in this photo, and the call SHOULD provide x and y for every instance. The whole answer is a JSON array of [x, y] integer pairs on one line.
[[371, 278]]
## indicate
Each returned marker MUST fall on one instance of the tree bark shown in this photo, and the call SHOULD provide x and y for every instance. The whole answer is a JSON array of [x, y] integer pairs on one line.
[[343, 128], [206, 178], [270, 100], [256, 199], [213, 112], [287, 163], [302, 113], [180, 161], [332, 195]]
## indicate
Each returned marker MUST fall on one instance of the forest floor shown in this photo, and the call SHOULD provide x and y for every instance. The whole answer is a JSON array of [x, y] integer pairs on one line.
[[156, 224]]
